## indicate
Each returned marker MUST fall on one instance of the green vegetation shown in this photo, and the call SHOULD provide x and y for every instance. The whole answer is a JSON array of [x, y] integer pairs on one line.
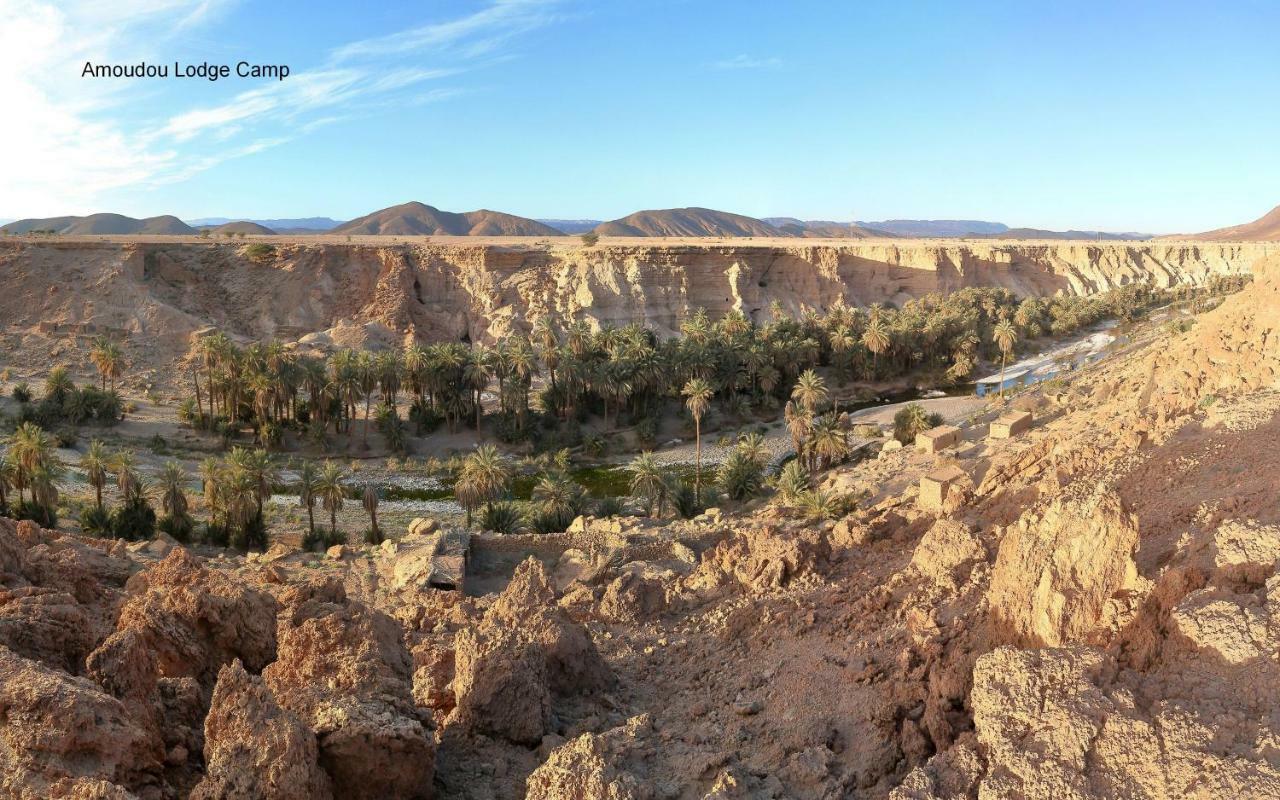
[[912, 419]]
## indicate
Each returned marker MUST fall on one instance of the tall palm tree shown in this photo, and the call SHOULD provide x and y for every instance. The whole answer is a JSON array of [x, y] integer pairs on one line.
[[810, 390], [331, 492], [697, 393], [1006, 337], [649, 480], [308, 491], [127, 480], [31, 449], [173, 490], [876, 339], [96, 463], [108, 359]]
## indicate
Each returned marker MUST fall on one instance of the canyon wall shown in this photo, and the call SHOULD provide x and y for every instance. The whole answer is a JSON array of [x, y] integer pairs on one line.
[[346, 293]]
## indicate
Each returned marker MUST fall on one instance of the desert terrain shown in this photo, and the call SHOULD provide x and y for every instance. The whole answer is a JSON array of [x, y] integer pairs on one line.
[[1079, 609]]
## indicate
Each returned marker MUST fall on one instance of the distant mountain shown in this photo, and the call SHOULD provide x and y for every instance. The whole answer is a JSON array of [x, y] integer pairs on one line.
[[243, 226], [926, 228], [279, 225], [1037, 233], [571, 226], [99, 224], [686, 222], [1264, 229], [417, 219], [823, 229]]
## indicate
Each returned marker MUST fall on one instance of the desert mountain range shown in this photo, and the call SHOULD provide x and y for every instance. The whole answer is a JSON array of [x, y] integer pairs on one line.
[[418, 219]]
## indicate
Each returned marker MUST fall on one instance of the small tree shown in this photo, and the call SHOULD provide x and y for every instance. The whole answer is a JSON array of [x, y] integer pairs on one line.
[[370, 503], [590, 238]]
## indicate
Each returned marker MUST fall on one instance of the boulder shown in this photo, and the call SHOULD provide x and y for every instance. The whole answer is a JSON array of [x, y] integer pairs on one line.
[[344, 671], [254, 749]]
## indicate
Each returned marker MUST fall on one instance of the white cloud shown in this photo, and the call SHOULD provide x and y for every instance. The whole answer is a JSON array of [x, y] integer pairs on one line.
[[74, 146], [743, 61]]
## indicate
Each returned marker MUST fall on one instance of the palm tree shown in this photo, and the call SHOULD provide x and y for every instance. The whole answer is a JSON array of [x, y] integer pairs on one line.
[[876, 339], [697, 394], [108, 359], [828, 440], [173, 491], [31, 449], [753, 448], [210, 479], [649, 480], [7, 472], [96, 463], [810, 390], [558, 494], [331, 492], [1006, 337], [127, 480], [799, 425], [308, 491], [58, 385], [370, 503], [486, 474], [44, 491]]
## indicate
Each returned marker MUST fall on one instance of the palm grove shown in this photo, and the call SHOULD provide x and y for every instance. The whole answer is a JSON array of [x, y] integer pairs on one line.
[[548, 383]]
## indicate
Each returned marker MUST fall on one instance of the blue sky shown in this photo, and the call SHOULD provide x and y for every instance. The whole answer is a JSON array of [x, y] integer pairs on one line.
[[1118, 116]]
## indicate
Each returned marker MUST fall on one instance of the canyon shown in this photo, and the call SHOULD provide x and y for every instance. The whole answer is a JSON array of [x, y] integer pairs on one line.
[[362, 290]]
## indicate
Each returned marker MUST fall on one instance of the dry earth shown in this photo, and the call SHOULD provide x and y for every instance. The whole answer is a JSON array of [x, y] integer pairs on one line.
[[1089, 616]]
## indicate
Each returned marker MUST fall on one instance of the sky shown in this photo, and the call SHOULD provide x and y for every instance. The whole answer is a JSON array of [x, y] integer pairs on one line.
[[1131, 116]]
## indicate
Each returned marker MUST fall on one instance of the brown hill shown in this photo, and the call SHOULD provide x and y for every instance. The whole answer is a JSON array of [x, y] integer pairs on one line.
[[686, 222], [102, 224], [243, 226], [1263, 229], [419, 219]]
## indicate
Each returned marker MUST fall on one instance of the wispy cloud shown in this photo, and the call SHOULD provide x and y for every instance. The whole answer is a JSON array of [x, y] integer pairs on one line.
[[75, 151], [744, 61]]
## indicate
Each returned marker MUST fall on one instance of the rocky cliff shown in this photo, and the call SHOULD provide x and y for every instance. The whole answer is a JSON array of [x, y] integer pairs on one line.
[[351, 292]]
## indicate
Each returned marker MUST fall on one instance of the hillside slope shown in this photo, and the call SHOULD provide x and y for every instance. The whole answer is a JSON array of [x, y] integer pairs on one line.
[[1264, 229], [419, 219], [243, 226]]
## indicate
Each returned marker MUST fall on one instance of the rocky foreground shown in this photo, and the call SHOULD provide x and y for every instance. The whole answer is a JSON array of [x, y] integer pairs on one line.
[[1094, 613]]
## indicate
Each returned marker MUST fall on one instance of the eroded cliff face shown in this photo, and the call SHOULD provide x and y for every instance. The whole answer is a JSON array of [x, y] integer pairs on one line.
[[348, 293]]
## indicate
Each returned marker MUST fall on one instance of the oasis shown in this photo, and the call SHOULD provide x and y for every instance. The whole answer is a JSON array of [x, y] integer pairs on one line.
[[278, 71]]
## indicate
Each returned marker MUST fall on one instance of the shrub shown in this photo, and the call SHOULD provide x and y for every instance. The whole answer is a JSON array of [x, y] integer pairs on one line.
[[133, 521], [179, 527], [550, 521], [793, 480], [252, 536], [740, 476], [214, 534], [607, 507], [322, 539], [425, 419], [22, 392], [373, 536], [43, 516], [259, 251], [501, 518], [912, 419], [590, 238], [689, 503], [95, 521]]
